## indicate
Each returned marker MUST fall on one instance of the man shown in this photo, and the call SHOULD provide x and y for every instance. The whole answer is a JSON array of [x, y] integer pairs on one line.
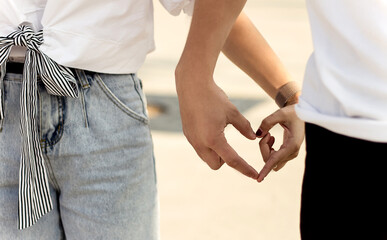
[[82, 165]]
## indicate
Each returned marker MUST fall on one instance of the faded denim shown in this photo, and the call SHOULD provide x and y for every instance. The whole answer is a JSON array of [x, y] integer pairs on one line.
[[99, 156]]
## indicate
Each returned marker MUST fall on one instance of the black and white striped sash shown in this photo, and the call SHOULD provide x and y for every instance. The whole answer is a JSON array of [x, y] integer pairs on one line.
[[34, 193]]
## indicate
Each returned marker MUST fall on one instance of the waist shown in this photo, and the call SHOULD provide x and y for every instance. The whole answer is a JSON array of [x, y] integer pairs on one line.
[[17, 68], [14, 67], [17, 54]]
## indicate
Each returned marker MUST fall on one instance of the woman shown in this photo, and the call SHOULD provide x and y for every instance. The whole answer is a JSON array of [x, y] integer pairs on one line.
[[68, 72], [82, 166]]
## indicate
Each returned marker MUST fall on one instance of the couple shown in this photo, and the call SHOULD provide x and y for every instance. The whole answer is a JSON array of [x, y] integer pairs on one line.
[[79, 164]]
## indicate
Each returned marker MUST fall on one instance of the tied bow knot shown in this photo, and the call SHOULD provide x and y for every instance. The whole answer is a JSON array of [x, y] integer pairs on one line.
[[26, 37], [34, 192]]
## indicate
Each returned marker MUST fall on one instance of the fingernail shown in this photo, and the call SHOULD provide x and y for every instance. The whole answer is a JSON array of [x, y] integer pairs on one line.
[[259, 132]]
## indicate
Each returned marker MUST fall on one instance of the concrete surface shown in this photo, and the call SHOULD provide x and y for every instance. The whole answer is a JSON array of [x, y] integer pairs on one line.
[[196, 202]]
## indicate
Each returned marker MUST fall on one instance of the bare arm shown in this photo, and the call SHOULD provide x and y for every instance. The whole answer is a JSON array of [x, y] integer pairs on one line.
[[205, 109], [247, 48], [211, 24]]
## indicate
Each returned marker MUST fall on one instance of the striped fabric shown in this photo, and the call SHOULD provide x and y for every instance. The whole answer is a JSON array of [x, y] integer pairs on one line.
[[34, 193]]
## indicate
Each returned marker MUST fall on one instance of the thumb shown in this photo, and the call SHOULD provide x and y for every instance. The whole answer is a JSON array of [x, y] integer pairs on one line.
[[242, 125], [269, 122], [275, 159]]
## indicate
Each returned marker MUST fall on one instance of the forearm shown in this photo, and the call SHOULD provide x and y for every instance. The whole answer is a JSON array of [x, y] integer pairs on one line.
[[247, 48], [205, 109], [211, 24]]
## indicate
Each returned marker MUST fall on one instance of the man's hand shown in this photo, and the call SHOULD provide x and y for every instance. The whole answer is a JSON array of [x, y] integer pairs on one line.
[[293, 138], [205, 112]]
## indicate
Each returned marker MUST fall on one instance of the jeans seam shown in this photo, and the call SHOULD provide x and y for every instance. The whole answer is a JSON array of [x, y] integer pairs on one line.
[[118, 102], [60, 120], [137, 84], [59, 128], [50, 173], [2, 102], [84, 84], [84, 111]]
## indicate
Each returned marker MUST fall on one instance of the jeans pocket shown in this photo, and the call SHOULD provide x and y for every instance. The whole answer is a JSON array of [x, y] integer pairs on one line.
[[125, 92]]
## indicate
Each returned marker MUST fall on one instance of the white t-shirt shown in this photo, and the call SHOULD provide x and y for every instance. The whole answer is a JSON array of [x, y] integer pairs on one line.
[[97, 35], [345, 85]]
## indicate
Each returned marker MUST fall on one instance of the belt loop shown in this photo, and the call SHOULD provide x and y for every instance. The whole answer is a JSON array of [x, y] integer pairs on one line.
[[82, 78], [84, 83], [2, 75]]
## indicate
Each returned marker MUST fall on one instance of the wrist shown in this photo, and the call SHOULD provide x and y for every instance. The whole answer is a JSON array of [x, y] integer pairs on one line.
[[288, 94], [192, 73], [293, 100]]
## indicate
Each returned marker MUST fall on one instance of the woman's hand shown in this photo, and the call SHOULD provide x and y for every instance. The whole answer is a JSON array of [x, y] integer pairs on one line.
[[293, 138]]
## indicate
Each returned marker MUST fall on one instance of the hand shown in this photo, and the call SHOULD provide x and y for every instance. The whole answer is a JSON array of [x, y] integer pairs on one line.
[[293, 138], [205, 112]]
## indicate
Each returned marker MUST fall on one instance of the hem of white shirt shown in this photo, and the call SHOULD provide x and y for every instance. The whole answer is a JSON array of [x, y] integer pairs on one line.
[[360, 128], [112, 57]]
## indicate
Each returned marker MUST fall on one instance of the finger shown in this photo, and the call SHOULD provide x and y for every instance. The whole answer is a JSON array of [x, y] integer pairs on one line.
[[292, 155], [265, 146], [210, 157], [271, 142], [280, 166], [231, 158], [242, 125], [269, 122], [275, 158]]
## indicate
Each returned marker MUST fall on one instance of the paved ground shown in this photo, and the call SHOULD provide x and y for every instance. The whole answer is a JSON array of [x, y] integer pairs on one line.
[[196, 202]]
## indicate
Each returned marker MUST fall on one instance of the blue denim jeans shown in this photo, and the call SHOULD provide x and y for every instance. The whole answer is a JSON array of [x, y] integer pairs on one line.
[[99, 155]]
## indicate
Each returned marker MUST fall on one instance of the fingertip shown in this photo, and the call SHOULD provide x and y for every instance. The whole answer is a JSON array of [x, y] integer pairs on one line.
[[264, 172], [242, 125], [256, 176], [214, 167], [252, 136], [266, 138], [271, 142], [259, 132], [252, 173], [260, 179]]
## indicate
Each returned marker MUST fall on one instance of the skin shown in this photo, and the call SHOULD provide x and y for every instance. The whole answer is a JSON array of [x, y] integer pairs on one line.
[[219, 25], [293, 138]]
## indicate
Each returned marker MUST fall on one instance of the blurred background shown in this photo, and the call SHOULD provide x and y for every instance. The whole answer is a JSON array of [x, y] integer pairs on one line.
[[196, 202]]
